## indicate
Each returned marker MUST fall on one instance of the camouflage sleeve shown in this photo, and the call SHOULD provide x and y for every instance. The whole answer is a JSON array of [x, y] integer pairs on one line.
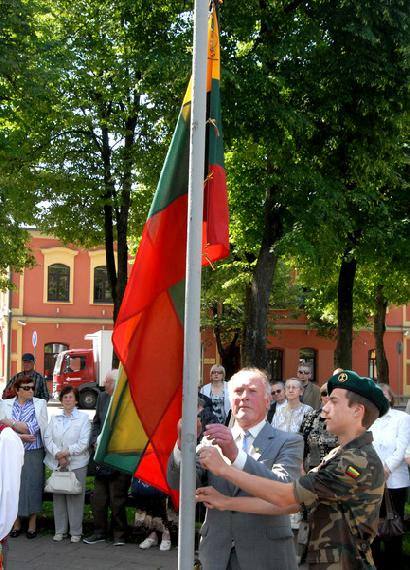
[[336, 481]]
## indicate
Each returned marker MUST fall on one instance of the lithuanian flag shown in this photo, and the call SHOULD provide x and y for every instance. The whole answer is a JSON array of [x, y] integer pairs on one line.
[[140, 428]]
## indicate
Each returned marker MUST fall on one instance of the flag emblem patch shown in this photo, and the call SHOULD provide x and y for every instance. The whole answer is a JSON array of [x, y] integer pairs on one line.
[[352, 472]]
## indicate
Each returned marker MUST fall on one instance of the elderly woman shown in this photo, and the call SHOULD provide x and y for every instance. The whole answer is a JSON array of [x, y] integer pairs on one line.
[[391, 438], [289, 417], [217, 390], [66, 441], [27, 416]]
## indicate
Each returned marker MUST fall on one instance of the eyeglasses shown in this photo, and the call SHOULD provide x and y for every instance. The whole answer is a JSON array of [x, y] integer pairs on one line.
[[26, 388], [323, 393], [216, 372], [303, 371], [276, 391]]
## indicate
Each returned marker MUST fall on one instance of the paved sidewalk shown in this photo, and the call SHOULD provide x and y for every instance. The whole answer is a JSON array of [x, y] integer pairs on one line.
[[42, 553]]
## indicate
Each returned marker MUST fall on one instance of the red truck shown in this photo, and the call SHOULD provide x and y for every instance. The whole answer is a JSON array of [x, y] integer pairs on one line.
[[85, 368]]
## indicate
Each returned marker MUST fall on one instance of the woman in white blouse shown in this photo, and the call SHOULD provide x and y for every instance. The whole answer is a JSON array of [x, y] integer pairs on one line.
[[391, 435], [217, 390], [67, 441]]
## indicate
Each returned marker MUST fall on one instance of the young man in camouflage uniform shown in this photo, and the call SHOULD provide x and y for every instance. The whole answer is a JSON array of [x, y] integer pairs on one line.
[[343, 493]]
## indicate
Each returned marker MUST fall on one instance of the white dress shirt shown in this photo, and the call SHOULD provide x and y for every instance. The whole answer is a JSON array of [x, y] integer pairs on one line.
[[391, 435], [238, 434]]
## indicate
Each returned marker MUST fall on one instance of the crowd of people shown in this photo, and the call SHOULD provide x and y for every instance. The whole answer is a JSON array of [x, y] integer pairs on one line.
[[292, 474], [334, 457], [65, 443]]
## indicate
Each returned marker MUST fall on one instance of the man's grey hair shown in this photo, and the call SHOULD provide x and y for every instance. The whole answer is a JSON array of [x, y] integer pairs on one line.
[[113, 374], [250, 371], [281, 382]]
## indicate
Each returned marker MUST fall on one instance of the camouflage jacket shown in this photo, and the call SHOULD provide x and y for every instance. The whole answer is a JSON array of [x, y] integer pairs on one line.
[[344, 494], [40, 385], [318, 441]]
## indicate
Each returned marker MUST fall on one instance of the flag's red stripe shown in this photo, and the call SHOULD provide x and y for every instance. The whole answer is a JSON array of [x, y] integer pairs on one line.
[[160, 263], [216, 216]]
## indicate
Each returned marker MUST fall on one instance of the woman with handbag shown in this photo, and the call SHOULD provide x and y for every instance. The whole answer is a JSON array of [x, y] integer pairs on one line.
[[66, 441], [391, 435], [27, 416]]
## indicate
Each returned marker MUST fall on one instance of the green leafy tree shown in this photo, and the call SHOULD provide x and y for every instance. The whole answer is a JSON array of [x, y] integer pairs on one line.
[[114, 75], [319, 88]]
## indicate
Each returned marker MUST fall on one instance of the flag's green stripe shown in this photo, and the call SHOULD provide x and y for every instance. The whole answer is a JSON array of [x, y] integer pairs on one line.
[[126, 463], [177, 294], [173, 181], [216, 151]]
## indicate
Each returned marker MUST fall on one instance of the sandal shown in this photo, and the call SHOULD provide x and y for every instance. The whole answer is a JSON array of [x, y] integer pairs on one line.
[[31, 533], [15, 532]]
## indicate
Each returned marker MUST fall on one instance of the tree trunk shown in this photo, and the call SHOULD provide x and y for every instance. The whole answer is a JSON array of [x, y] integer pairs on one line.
[[347, 274], [379, 328], [258, 291], [229, 353]]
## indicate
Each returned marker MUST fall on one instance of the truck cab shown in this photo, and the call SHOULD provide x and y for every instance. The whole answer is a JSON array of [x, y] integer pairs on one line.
[[77, 368], [84, 368]]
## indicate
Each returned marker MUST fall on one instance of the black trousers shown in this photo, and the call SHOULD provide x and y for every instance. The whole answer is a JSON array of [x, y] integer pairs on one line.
[[111, 492], [392, 557]]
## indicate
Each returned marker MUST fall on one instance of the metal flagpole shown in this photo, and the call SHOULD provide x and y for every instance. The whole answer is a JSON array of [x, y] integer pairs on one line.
[[186, 538]]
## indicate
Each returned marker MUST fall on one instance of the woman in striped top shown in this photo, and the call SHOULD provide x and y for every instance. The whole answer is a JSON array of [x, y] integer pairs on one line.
[[27, 416]]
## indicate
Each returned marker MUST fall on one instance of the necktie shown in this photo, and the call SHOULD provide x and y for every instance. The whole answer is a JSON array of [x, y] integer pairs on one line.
[[246, 441]]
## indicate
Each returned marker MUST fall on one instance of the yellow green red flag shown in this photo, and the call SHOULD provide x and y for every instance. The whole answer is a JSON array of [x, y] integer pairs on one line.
[[140, 428]]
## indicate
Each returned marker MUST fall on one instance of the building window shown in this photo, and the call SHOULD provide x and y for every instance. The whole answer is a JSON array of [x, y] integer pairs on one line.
[[51, 351], [58, 283], [308, 356], [372, 364], [102, 290], [275, 364]]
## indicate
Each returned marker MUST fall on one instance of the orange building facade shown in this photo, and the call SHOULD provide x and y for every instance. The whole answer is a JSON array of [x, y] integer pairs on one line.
[[65, 296], [295, 340]]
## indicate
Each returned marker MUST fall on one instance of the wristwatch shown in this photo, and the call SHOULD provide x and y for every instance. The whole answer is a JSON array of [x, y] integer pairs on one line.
[[13, 423]]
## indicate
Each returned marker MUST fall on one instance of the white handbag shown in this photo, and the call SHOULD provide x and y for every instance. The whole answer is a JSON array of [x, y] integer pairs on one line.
[[63, 483]]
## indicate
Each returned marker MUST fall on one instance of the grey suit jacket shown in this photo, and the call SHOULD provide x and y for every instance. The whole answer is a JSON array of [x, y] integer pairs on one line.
[[261, 541]]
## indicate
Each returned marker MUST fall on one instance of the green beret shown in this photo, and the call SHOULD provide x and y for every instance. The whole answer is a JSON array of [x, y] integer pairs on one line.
[[365, 387]]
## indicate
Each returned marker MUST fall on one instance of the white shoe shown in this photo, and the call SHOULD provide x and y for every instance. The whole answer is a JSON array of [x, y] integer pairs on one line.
[[151, 540], [75, 538], [165, 541], [59, 537]]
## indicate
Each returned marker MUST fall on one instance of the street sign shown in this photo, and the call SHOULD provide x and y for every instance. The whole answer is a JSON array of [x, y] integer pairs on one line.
[[34, 339]]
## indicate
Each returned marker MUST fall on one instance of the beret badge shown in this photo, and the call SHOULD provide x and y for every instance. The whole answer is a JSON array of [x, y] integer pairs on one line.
[[342, 377]]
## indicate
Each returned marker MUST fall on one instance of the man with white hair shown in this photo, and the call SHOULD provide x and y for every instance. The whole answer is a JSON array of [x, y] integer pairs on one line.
[[111, 486], [241, 540]]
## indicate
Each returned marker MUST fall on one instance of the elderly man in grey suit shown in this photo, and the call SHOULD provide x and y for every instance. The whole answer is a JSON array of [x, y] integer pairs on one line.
[[239, 541]]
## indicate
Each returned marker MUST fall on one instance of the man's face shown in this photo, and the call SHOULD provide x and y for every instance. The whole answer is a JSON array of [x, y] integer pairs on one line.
[[278, 393], [337, 413], [249, 399], [304, 374], [28, 365]]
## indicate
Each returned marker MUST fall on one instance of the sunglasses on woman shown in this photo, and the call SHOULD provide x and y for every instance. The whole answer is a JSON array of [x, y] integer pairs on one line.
[[27, 388]]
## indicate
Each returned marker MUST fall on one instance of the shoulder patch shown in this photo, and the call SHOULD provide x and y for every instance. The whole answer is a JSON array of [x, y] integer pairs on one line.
[[352, 472]]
